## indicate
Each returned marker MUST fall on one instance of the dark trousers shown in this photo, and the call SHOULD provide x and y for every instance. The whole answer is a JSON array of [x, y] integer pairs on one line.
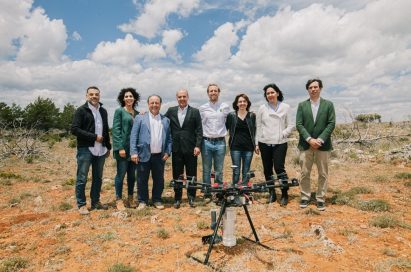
[[84, 160], [181, 160], [273, 156], [155, 165]]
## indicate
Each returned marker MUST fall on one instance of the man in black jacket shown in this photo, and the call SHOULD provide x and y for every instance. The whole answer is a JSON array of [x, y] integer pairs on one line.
[[187, 133], [90, 125]]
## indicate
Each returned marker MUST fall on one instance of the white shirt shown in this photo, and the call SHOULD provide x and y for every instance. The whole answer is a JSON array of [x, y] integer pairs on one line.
[[98, 149], [156, 131], [213, 116], [181, 113], [314, 108]]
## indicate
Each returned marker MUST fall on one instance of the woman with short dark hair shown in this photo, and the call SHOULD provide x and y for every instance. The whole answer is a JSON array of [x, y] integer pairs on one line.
[[273, 129]]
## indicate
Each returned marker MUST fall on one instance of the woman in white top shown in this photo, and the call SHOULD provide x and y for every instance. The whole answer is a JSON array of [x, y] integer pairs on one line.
[[273, 129]]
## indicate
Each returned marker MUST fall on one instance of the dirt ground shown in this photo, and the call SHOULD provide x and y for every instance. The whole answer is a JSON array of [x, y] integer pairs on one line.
[[40, 223]]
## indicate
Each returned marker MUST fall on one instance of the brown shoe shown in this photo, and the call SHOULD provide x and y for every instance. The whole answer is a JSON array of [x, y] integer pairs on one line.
[[131, 202]]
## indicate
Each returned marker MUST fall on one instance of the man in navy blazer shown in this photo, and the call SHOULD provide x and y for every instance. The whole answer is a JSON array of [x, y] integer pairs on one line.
[[150, 147]]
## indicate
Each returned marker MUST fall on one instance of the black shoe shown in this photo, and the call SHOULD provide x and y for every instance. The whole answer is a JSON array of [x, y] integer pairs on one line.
[[273, 197], [207, 199], [99, 206], [320, 206], [191, 202], [303, 203], [284, 198], [177, 204]]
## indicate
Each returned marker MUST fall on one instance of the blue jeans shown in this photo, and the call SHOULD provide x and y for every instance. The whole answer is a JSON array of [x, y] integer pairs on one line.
[[213, 151], [155, 165], [124, 166], [241, 159], [84, 160]]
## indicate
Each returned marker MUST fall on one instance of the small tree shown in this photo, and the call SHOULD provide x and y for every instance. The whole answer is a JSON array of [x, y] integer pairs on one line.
[[66, 117], [43, 113], [10, 115], [368, 118]]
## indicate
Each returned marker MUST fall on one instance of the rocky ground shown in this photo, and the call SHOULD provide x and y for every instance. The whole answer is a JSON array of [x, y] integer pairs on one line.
[[366, 226]]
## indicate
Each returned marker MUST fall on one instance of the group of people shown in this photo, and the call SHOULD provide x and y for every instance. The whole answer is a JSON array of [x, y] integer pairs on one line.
[[142, 143]]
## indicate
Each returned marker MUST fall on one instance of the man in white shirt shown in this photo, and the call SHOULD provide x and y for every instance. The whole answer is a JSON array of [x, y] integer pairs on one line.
[[150, 147], [213, 117], [90, 125]]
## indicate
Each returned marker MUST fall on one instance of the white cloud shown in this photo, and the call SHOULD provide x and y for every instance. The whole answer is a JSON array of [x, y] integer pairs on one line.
[[126, 51], [363, 60], [217, 49], [169, 41], [155, 14], [76, 36], [29, 35]]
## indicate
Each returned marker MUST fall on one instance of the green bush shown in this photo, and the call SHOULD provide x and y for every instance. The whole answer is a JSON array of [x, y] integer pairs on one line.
[[162, 233], [13, 264], [384, 221], [403, 175], [64, 206], [119, 267], [375, 205]]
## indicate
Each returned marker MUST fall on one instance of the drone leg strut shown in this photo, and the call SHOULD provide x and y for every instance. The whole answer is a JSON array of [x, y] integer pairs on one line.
[[257, 241], [220, 216]]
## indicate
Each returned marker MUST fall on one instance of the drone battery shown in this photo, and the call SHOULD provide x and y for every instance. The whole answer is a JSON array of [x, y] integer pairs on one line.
[[229, 239]]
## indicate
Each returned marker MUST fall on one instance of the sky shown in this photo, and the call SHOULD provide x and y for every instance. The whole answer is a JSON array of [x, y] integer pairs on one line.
[[361, 49]]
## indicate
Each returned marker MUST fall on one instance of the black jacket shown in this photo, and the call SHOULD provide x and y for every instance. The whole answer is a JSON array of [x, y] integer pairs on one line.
[[231, 123], [83, 127], [190, 134]]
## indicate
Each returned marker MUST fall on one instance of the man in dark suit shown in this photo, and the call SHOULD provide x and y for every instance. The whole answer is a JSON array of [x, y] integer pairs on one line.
[[315, 122], [187, 133]]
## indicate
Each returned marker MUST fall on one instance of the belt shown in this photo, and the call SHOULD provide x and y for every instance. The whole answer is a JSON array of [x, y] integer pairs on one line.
[[214, 139]]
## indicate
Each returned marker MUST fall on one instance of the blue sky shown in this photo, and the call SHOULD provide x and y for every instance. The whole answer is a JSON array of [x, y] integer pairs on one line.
[[56, 49]]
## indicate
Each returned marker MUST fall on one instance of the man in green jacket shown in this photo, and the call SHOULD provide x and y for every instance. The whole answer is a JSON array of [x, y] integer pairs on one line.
[[315, 122]]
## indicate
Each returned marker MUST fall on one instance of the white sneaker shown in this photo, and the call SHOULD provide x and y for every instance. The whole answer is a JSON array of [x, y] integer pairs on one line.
[[141, 206], [158, 205], [83, 210]]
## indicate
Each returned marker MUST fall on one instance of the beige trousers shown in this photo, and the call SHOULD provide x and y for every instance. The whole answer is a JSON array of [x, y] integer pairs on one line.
[[321, 159]]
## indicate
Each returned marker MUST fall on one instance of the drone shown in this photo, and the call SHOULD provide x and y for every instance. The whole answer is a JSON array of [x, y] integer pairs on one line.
[[228, 196]]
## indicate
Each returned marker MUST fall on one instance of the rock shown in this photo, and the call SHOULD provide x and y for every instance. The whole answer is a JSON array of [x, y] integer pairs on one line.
[[38, 201]]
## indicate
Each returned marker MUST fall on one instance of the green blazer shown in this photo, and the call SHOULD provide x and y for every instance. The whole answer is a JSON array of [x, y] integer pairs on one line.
[[322, 127], [122, 124]]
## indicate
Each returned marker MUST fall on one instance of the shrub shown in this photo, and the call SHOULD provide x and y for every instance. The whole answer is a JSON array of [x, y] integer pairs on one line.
[[375, 205], [13, 264], [384, 221], [403, 175], [119, 267], [64, 206], [202, 225], [162, 233], [72, 143]]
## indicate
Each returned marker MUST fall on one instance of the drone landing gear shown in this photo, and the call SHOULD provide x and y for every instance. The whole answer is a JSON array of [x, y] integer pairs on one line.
[[215, 238]]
